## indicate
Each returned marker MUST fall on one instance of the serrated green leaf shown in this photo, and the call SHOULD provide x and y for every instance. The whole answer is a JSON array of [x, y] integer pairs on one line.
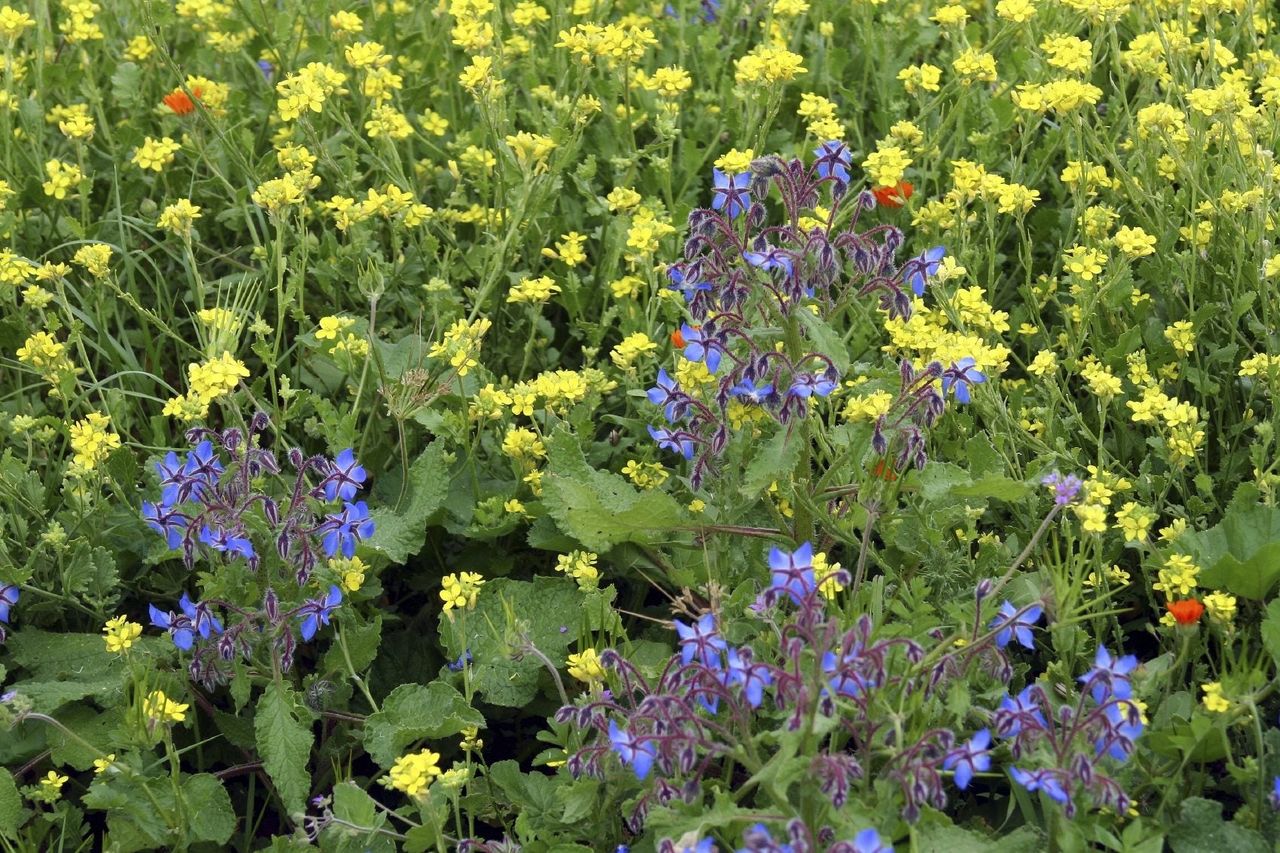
[[284, 744], [826, 340], [993, 486], [208, 807], [416, 712], [352, 804], [400, 531], [10, 806], [773, 461], [601, 509]]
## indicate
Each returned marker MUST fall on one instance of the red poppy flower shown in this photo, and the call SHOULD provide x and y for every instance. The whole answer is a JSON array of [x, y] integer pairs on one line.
[[884, 471], [180, 102], [1185, 612], [894, 196]]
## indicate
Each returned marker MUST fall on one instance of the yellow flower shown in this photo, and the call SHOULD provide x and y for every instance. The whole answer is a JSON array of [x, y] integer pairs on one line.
[[531, 150], [349, 571], [581, 565], [64, 178], [827, 576], [412, 774], [1178, 576], [161, 709], [887, 166], [155, 154], [1044, 363], [1135, 520], [533, 291], [622, 198], [974, 66], [630, 348], [178, 217], [734, 161], [921, 78], [1213, 700], [94, 257], [91, 442], [1093, 517], [1182, 336], [461, 590], [768, 64], [51, 785], [568, 249], [585, 666], [120, 634], [1220, 606], [1134, 242], [102, 765]]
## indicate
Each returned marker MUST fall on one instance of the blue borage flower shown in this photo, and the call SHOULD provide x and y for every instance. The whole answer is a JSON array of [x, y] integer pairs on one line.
[[792, 573], [9, 595], [960, 376], [316, 612], [972, 757], [209, 504], [921, 268], [701, 641], [342, 530], [1014, 623], [730, 192], [738, 270], [630, 750]]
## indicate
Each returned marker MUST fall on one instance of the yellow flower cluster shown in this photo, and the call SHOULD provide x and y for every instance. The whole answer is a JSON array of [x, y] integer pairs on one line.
[[161, 709], [91, 443], [646, 475], [120, 634], [581, 566], [461, 590], [460, 346], [585, 666], [632, 347], [412, 774], [533, 291], [307, 90]]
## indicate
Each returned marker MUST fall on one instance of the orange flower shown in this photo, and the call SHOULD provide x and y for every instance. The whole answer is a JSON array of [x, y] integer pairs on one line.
[[180, 102], [884, 471], [677, 339], [1185, 612], [894, 196]]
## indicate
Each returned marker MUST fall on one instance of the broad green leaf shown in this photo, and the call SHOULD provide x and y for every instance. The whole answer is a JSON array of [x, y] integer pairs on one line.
[[1270, 630], [1242, 553], [1201, 829], [361, 643], [993, 486], [353, 805], [547, 611], [208, 808], [401, 530], [826, 340], [601, 509], [416, 712], [10, 806], [774, 460], [284, 743]]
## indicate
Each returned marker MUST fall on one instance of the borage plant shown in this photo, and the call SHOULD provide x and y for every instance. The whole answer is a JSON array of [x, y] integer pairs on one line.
[[225, 503]]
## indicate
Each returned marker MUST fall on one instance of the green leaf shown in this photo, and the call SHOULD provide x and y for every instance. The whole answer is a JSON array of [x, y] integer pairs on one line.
[[361, 640], [548, 611], [535, 792], [993, 486], [773, 461], [1270, 630], [826, 340], [284, 743], [1201, 829], [354, 806], [400, 531], [601, 509], [415, 712], [11, 816], [1242, 553], [209, 814]]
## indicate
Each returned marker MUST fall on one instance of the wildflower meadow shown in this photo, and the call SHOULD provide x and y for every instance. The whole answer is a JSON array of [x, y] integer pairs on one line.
[[607, 425]]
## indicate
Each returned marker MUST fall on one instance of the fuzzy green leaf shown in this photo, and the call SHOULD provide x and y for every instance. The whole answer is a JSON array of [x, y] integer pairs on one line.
[[284, 743]]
